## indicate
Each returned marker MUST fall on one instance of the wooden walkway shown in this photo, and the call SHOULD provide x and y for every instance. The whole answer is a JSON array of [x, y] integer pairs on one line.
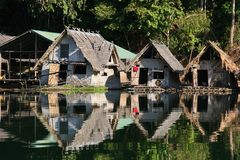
[[184, 89]]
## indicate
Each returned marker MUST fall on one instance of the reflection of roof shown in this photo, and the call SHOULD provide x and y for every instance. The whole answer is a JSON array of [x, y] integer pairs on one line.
[[123, 122], [94, 130], [4, 134], [48, 141], [165, 126]]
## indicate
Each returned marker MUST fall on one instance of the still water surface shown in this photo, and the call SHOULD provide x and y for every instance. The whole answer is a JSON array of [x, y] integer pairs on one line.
[[119, 126]]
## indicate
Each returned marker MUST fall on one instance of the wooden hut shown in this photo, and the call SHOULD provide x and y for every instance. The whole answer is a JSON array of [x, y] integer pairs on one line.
[[80, 58], [212, 67], [154, 66], [20, 53]]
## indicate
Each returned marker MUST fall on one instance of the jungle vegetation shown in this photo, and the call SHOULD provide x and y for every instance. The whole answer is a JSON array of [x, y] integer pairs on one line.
[[184, 25]]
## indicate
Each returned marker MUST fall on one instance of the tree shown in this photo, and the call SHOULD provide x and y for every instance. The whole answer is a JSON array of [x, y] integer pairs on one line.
[[233, 23], [138, 20]]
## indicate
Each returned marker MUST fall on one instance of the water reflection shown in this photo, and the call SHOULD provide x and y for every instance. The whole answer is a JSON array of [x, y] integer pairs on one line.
[[137, 125]]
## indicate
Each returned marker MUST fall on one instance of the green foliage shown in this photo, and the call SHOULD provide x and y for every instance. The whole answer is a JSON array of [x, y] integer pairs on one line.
[[190, 33], [129, 23]]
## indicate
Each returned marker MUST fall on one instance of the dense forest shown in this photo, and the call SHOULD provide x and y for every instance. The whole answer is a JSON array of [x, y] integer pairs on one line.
[[184, 25]]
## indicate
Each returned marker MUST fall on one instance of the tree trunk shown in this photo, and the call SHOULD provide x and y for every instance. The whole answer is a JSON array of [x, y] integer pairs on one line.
[[233, 23], [201, 5]]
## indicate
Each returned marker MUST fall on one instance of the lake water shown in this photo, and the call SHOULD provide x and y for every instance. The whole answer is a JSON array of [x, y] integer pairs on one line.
[[119, 126]]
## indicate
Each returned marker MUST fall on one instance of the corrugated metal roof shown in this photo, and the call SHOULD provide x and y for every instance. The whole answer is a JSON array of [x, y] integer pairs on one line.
[[124, 54], [48, 35]]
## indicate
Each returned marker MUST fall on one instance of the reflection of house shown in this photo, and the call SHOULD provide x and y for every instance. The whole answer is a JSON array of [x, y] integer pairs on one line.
[[211, 67], [80, 58], [154, 66], [207, 109], [23, 51], [156, 110], [68, 116]]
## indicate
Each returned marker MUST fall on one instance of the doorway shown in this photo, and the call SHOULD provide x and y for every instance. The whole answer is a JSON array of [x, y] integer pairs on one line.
[[143, 76], [63, 74], [202, 78]]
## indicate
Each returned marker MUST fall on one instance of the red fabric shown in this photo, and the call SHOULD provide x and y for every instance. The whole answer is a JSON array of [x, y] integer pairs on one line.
[[135, 68], [135, 110]]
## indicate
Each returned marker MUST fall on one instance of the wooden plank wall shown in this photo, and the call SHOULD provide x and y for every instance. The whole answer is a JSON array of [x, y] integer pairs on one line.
[[53, 74]]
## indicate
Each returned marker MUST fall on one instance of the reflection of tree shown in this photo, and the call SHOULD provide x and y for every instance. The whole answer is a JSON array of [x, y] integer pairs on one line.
[[184, 143], [226, 121]]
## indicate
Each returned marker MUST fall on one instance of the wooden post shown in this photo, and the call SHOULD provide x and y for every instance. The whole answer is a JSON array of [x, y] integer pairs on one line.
[[195, 103], [35, 56], [9, 65], [194, 77]]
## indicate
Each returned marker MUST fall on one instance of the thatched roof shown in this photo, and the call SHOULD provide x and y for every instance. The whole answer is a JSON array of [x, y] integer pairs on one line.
[[227, 63], [164, 53], [93, 46], [4, 38], [234, 53]]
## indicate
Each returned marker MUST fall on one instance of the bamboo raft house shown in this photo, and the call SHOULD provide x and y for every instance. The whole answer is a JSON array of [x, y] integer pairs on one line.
[[211, 68], [82, 58], [153, 67], [19, 54]]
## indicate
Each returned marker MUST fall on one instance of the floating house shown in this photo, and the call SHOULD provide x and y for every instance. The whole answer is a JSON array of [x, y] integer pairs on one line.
[[154, 66], [209, 110], [20, 53], [212, 67], [80, 58]]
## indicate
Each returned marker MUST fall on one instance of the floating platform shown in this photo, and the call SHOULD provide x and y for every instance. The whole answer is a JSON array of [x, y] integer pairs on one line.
[[185, 90], [207, 90], [147, 89]]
